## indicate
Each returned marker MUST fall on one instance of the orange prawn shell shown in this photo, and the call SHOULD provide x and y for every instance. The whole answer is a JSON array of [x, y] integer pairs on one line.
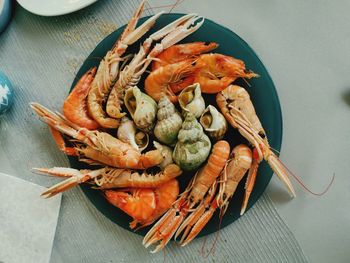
[[217, 71], [75, 107], [166, 195], [207, 175], [144, 205], [140, 204], [180, 52], [169, 78]]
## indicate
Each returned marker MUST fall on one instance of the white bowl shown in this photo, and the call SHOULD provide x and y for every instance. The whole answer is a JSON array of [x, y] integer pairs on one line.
[[54, 7]]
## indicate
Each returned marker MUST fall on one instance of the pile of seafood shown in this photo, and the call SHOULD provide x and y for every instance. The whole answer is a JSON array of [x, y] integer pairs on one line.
[[112, 123]]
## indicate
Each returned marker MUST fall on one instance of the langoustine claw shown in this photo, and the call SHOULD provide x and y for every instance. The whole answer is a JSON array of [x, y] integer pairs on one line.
[[107, 178]]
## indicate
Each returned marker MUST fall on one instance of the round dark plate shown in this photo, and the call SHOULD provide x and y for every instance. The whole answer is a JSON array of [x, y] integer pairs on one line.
[[263, 95]]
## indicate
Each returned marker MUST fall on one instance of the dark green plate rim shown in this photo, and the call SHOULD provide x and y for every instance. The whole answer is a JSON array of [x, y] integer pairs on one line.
[[263, 95]]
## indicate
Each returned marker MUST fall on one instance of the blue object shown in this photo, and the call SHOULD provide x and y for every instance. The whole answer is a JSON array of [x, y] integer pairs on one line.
[[5, 13], [6, 93]]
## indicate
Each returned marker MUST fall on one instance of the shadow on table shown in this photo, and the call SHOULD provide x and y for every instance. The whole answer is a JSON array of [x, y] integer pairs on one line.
[[346, 97]]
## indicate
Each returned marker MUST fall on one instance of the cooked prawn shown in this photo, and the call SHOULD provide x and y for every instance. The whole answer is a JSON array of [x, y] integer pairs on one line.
[[169, 79], [75, 106], [166, 195], [217, 71], [235, 104], [138, 203], [144, 205], [182, 52]]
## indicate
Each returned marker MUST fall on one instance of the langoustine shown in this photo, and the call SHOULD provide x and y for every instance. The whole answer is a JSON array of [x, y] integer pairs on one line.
[[235, 104], [99, 146], [75, 105]]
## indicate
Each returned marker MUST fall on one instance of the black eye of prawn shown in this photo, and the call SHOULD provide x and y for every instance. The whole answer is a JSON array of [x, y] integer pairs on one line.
[[262, 134]]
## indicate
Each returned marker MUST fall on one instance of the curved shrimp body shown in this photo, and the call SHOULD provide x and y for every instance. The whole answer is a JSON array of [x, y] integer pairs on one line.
[[140, 204], [165, 195], [167, 226], [182, 52], [107, 178], [100, 146], [144, 205], [169, 78], [217, 71], [235, 104], [75, 106]]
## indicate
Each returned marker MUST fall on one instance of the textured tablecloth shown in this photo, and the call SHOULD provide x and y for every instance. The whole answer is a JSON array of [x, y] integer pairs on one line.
[[41, 56]]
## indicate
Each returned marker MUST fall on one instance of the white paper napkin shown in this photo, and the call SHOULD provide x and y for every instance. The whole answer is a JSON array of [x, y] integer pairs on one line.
[[27, 221]]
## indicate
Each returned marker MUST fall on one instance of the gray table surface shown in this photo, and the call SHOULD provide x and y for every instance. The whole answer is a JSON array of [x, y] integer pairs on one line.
[[304, 45]]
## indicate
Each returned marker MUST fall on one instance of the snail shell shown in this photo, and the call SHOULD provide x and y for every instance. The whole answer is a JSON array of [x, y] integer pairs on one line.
[[213, 122], [193, 146], [167, 154], [127, 132], [191, 100], [169, 122], [142, 108]]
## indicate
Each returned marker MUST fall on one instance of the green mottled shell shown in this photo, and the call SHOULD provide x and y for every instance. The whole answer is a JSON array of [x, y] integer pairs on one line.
[[169, 122], [193, 146], [144, 115]]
